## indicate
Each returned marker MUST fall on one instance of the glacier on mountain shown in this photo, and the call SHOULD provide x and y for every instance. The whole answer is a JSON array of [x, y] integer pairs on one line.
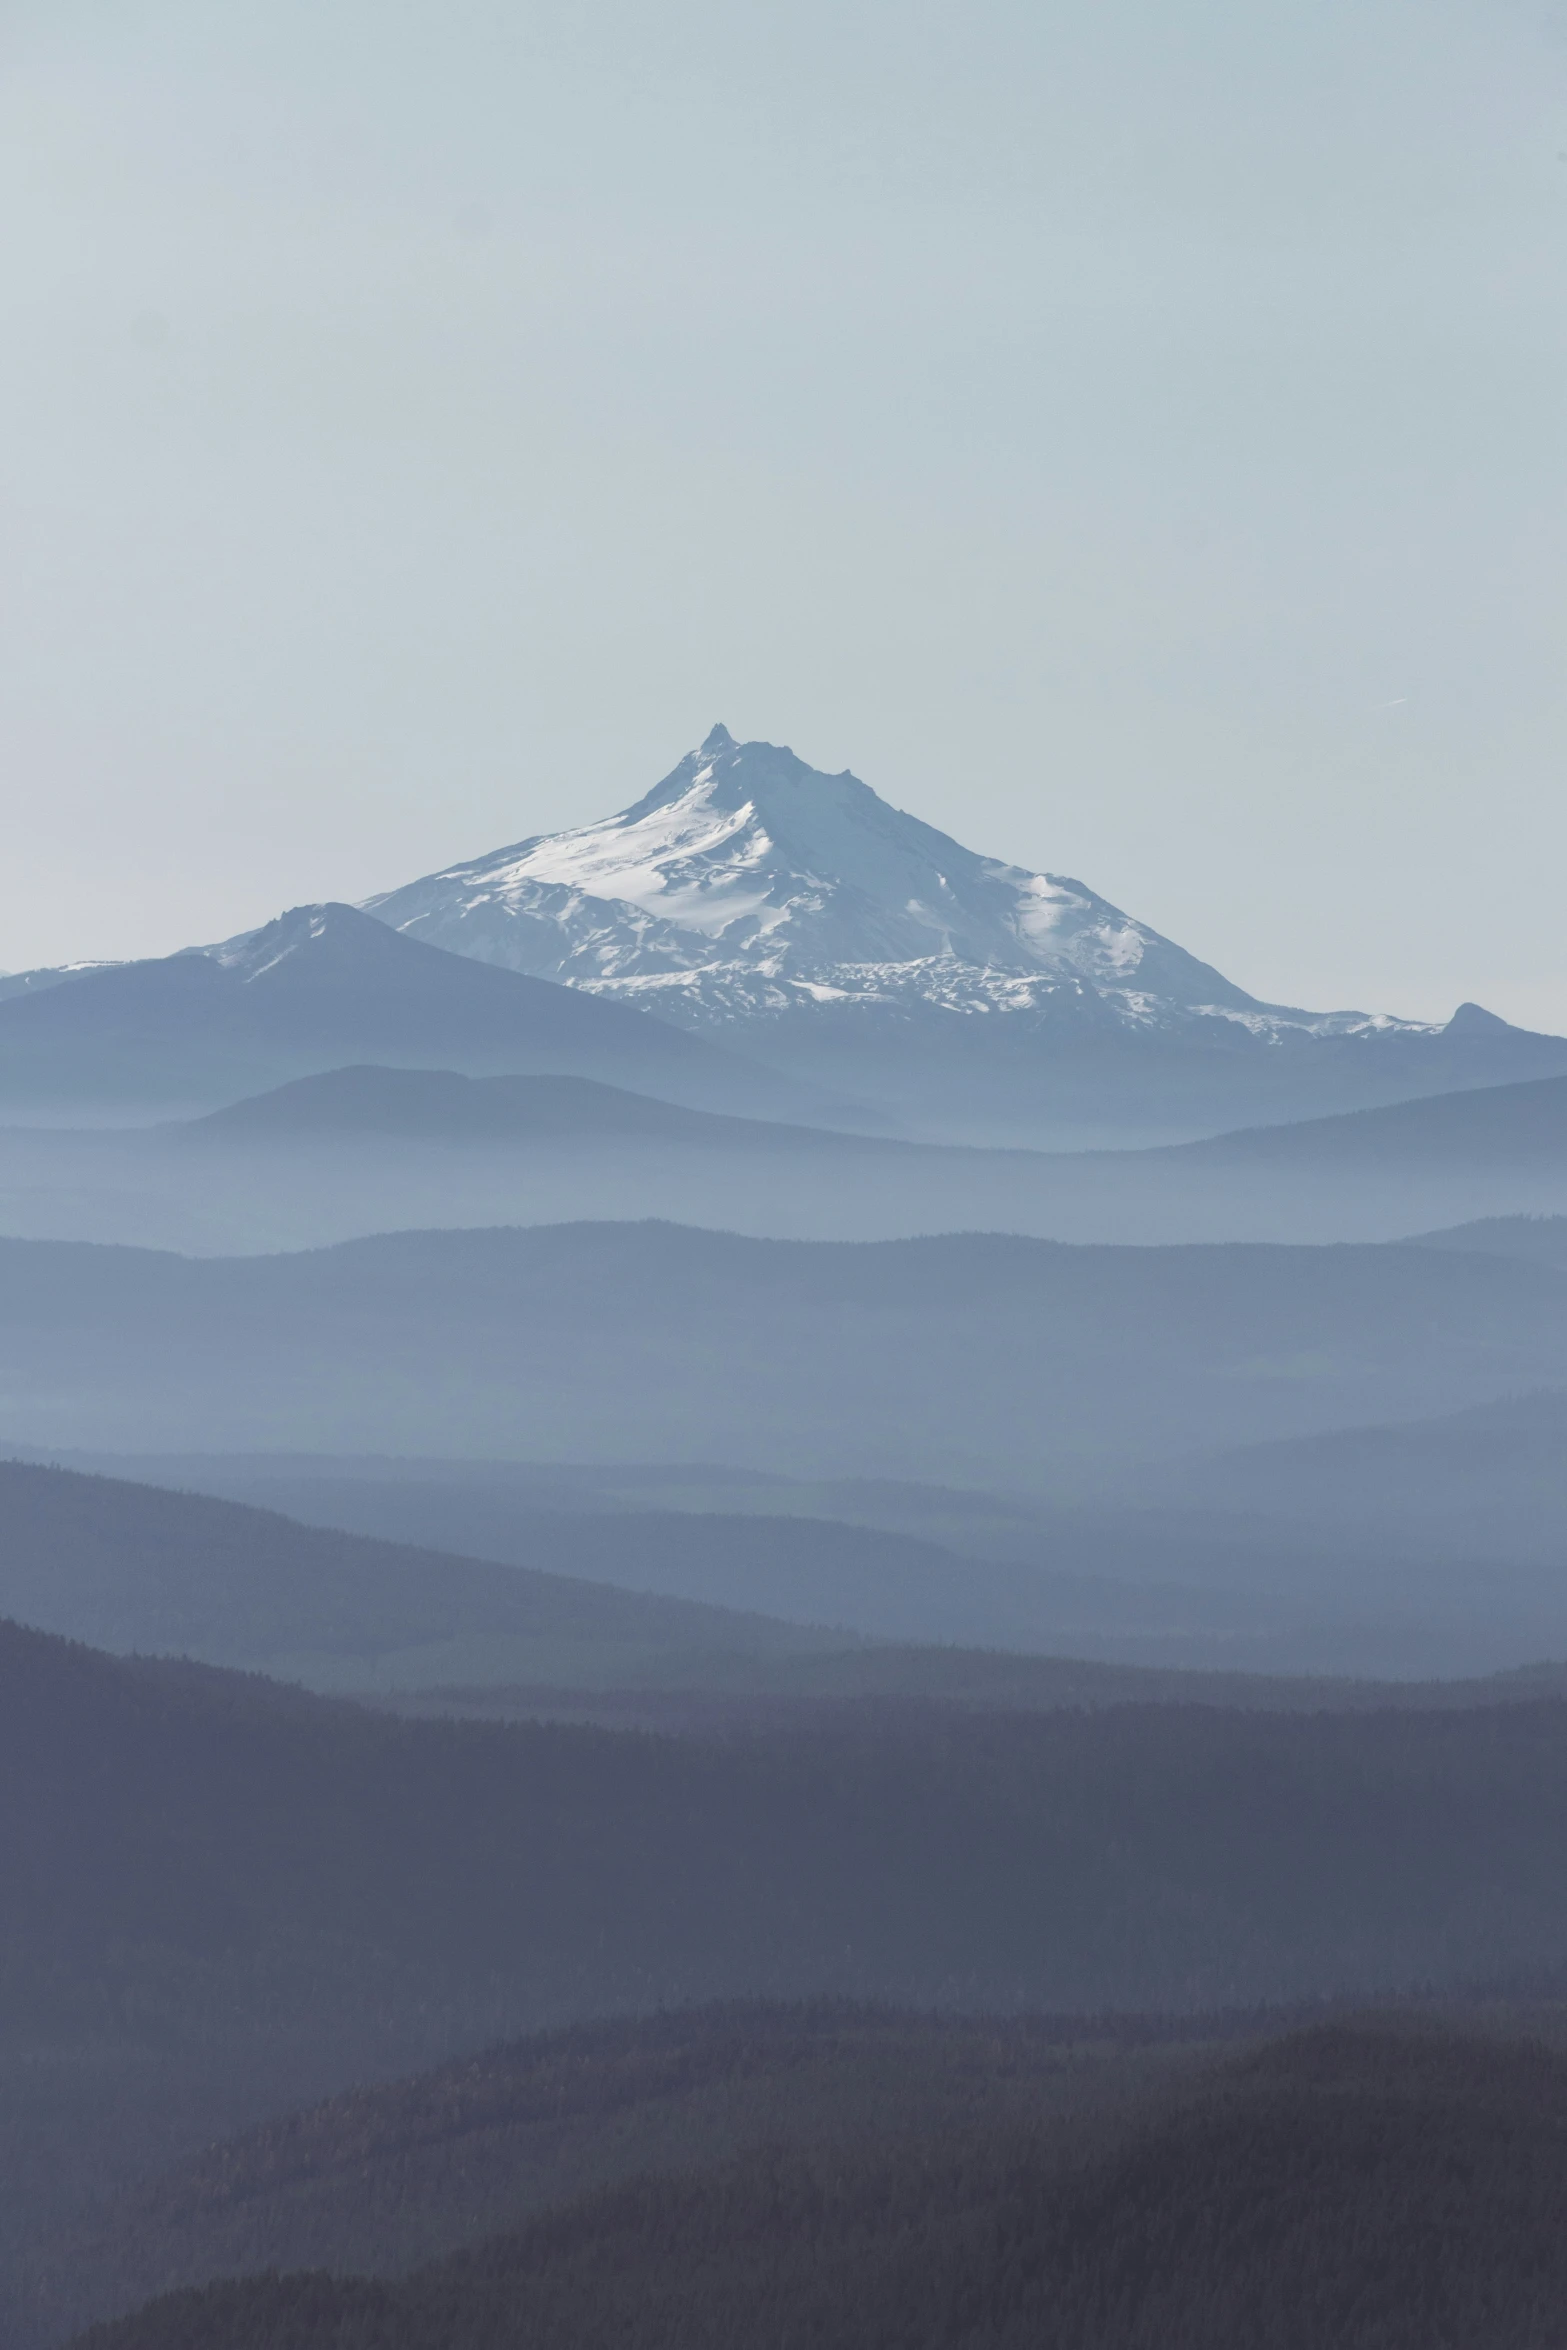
[[748, 885]]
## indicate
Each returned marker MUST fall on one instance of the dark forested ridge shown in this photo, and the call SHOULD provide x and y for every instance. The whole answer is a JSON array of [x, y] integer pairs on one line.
[[175, 1840], [1346, 2189], [794, 1692], [382, 2178], [288, 1894], [220, 1898]]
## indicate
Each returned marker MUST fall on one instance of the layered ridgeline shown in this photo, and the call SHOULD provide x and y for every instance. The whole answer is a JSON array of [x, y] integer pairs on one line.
[[383, 2178], [321, 986], [433, 1584], [348, 1152], [191, 1855], [978, 1441], [973, 1359], [222, 1898], [751, 896], [1361, 2187]]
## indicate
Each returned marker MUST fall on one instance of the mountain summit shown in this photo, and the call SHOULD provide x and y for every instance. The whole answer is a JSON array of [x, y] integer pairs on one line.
[[837, 939], [747, 883]]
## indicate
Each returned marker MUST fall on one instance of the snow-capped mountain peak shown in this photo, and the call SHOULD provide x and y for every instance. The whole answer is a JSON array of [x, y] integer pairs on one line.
[[747, 883]]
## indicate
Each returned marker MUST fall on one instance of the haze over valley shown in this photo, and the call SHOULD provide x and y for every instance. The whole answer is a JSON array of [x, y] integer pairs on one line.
[[783, 1504], [687, 1352]]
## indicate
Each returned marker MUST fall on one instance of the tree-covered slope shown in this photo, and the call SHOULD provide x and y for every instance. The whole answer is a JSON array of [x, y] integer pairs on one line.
[[1345, 2190]]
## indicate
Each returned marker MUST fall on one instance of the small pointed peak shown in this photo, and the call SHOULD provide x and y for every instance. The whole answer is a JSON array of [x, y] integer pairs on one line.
[[719, 740], [1474, 1020]]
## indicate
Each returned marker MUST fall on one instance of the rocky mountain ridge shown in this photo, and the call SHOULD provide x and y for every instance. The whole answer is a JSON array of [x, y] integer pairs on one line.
[[747, 885]]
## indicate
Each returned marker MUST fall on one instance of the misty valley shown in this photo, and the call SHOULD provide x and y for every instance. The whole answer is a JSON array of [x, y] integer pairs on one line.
[[764, 1583]]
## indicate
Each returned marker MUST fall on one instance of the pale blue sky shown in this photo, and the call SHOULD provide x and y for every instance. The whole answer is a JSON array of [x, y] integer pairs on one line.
[[1130, 435]]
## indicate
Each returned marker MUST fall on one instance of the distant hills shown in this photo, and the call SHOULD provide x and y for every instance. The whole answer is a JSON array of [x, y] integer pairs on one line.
[[569, 1600], [1365, 1174], [1377, 2186], [971, 1359], [421, 1583], [308, 1162], [1091, 1386], [443, 1106], [1488, 1484], [1495, 1130], [131, 1568], [319, 987], [1520, 1128], [1535, 1240]]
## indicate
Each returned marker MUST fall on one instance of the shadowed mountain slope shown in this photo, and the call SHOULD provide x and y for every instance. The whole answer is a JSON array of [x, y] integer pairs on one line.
[[385, 1588], [1537, 1240], [179, 1845], [1348, 2189], [1488, 1484], [383, 2178], [444, 1106], [220, 1898], [131, 1568], [572, 1599], [321, 986], [1521, 1127]]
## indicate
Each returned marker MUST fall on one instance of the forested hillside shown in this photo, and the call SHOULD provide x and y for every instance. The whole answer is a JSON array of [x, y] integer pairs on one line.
[[218, 1846], [279, 1896], [383, 2178], [1372, 2189]]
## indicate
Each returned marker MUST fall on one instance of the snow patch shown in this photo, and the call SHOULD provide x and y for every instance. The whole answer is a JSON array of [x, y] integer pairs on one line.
[[747, 884]]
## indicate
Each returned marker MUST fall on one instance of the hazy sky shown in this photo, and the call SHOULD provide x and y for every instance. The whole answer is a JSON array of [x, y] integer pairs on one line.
[[1129, 433]]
